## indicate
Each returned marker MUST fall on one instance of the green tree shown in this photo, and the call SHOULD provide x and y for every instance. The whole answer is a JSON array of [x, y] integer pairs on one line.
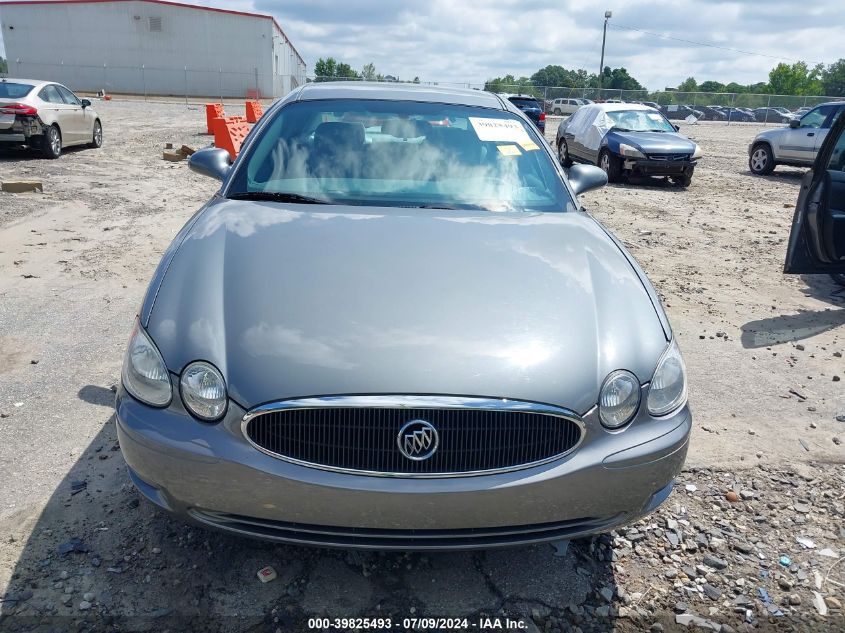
[[325, 69], [4, 66], [554, 75], [416, 80], [345, 71], [329, 69], [796, 79], [711, 86], [688, 85], [619, 79], [368, 72], [509, 83], [833, 79]]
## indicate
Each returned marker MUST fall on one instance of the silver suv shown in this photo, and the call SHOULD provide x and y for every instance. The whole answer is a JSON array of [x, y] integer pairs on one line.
[[797, 144], [566, 106], [46, 116]]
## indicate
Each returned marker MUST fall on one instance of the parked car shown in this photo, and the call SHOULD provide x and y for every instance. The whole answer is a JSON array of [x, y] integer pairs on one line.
[[712, 114], [796, 144], [772, 115], [680, 112], [565, 106], [498, 370], [651, 104], [797, 114], [531, 107], [46, 116], [739, 114], [626, 139], [817, 238]]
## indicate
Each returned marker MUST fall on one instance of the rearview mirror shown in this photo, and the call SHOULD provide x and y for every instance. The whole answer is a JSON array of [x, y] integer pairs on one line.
[[585, 177], [85, 103], [211, 161], [794, 123]]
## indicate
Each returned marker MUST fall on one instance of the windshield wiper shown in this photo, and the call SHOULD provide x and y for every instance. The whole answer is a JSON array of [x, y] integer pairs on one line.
[[653, 130], [278, 196], [448, 207]]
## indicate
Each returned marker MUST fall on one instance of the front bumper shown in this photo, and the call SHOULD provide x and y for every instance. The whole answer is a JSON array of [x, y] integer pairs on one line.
[[649, 167], [209, 474]]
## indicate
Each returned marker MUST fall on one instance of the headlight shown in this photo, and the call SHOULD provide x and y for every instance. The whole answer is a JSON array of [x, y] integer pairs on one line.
[[619, 399], [668, 389], [204, 391], [144, 373], [697, 153], [630, 151]]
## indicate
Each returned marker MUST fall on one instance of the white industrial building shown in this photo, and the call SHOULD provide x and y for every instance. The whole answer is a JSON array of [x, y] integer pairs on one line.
[[153, 47]]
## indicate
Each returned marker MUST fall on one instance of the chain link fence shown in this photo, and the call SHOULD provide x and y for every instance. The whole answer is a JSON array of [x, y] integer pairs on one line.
[[728, 107], [188, 83]]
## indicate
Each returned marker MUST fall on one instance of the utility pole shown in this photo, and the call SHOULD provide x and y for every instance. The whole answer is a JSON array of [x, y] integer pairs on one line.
[[607, 16]]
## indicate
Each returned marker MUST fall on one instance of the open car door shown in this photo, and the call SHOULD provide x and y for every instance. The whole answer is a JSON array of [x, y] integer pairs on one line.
[[817, 238]]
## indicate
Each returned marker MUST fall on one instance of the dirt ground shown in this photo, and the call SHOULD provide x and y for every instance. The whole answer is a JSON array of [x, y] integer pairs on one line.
[[764, 352]]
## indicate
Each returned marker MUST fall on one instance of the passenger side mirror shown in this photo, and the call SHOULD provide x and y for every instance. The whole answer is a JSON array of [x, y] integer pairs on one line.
[[85, 103], [585, 177], [794, 123], [677, 128], [211, 161]]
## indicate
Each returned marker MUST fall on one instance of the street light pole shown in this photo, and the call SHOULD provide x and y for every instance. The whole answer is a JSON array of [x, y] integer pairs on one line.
[[607, 16]]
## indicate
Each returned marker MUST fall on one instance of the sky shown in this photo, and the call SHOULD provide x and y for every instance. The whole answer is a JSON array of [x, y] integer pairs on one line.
[[469, 42]]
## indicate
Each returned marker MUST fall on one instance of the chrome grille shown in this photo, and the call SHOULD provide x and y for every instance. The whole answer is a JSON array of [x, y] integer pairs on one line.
[[668, 157], [475, 435]]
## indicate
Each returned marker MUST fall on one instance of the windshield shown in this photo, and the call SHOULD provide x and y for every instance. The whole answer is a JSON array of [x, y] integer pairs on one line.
[[524, 102], [639, 121], [401, 154], [10, 90]]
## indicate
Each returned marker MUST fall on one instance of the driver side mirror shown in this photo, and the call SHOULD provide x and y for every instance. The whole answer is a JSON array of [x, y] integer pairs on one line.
[[677, 128], [586, 177], [85, 103], [211, 161], [794, 123]]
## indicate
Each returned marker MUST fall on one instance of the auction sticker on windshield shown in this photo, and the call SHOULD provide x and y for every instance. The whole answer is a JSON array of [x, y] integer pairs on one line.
[[499, 130]]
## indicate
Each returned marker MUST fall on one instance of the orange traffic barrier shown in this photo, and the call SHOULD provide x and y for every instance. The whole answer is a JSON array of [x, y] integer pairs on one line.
[[213, 111], [229, 134], [253, 111]]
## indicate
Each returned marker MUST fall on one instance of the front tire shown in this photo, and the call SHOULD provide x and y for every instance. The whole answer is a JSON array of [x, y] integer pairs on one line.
[[556, 111], [97, 138], [51, 143], [683, 181], [611, 165], [563, 154], [762, 161]]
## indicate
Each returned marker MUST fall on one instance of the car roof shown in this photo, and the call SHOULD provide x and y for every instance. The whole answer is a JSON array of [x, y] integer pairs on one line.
[[399, 92], [37, 83], [613, 107]]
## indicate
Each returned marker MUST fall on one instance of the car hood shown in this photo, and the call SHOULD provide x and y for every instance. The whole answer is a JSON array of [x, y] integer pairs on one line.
[[655, 142], [297, 300]]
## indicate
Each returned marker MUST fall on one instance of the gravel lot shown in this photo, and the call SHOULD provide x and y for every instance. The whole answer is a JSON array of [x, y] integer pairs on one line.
[[765, 356]]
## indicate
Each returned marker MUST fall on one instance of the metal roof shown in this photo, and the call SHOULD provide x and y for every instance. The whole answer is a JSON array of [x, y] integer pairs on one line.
[[164, 2], [390, 91]]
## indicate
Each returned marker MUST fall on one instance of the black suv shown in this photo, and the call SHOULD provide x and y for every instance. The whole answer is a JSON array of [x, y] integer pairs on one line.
[[532, 109]]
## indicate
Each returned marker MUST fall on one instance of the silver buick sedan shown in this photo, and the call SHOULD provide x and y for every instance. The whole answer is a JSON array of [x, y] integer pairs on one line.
[[394, 327]]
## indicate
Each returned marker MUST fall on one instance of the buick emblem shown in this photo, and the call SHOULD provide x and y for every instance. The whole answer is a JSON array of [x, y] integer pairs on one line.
[[417, 440]]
